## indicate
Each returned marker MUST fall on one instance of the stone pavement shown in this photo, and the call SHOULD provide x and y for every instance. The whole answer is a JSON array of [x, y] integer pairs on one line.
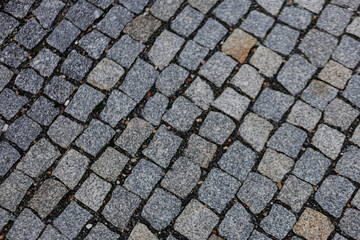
[[180, 119]]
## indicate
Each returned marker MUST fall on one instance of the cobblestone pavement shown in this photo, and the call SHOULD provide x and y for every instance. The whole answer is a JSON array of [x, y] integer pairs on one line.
[[180, 119]]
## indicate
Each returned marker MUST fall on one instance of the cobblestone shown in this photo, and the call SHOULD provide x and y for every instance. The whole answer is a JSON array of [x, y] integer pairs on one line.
[[210, 34]]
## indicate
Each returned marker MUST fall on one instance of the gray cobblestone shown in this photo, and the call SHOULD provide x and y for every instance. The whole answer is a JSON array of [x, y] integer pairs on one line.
[[257, 23], [170, 79], [318, 94], [192, 55], [76, 66], [328, 140], [296, 17], [56, 39], [8, 156], [334, 19], [106, 74], [94, 43], [282, 39], [210, 34], [187, 21], [230, 11], [347, 52], [155, 108], [200, 93], [348, 165], [30, 34], [10, 103], [43, 111], [200, 151], [26, 226], [45, 62]]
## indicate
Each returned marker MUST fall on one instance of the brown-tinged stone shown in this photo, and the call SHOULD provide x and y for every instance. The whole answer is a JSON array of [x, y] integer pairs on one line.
[[313, 225], [238, 45], [142, 27]]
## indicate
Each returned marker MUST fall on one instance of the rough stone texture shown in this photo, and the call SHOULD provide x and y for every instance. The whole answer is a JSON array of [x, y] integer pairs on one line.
[[164, 9], [45, 62], [161, 209], [4, 217], [8, 156], [192, 55], [59, 89], [100, 231], [51, 233], [256, 192], [328, 140], [200, 93], [105, 75], [142, 27], [334, 19], [155, 108], [350, 223], [200, 151], [347, 52], [5, 76], [43, 111], [318, 94], [352, 90], [313, 225], [335, 74], [272, 6], [182, 177], [282, 39], [196, 221], [353, 28], [334, 193], [248, 80], [187, 21], [230, 11], [8, 24], [202, 5], [340, 114], [170, 79], [83, 14], [267, 61], [65, 28], [29, 81], [210, 34], [257, 23], [10, 103], [303, 115], [140, 231], [30, 34], [94, 43], [76, 66], [13, 55], [348, 165], [47, 11], [296, 17], [314, 6]]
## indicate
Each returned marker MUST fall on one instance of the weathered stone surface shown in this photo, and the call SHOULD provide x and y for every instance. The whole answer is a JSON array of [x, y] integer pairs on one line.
[[105, 75], [238, 45]]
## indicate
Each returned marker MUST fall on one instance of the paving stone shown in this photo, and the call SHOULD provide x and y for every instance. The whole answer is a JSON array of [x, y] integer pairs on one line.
[[100, 231], [22, 132], [192, 55], [13, 190], [347, 52], [28, 80], [257, 23], [295, 193], [339, 237], [282, 39], [155, 108], [51, 233], [349, 163], [218, 189], [84, 101], [356, 200], [182, 177], [200, 151], [210, 34], [4, 217], [45, 62], [335, 74], [218, 68], [328, 140], [8, 156], [47, 11], [94, 138], [136, 132], [350, 223], [118, 106], [59, 89], [106, 74], [94, 43], [8, 24], [142, 27], [72, 220], [354, 27], [26, 226], [217, 127], [2, 124], [356, 136], [230, 11], [114, 21], [214, 237], [340, 114], [311, 167], [319, 94], [272, 104], [30, 34], [202, 5], [288, 139], [143, 178], [256, 192], [82, 14], [296, 17], [200, 93], [334, 193], [121, 207], [182, 114], [272, 6], [279, 222], [248, 80], [267, 61], [313, 225], [165, 48], [347, 3], [43, 111], [102, 3], [255, 130], [187, 21], [314, 6], [334, 19], [136, 6], [162, 147], [125, 51], [352, 90], [13, 55], [47, 197], [196, 221], [238, 167], [236, 224], [110, 164], [259, 236], [39, 158], [170, 79], [139, 80], [275, 165], [63, 131], [161, 209], [56, 39], [238, 45], [18, 8], [76, 66], [318, 46], [71, 168], [93, 192], [11, 103], [140, 231], [164, 9], [5, 76]]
